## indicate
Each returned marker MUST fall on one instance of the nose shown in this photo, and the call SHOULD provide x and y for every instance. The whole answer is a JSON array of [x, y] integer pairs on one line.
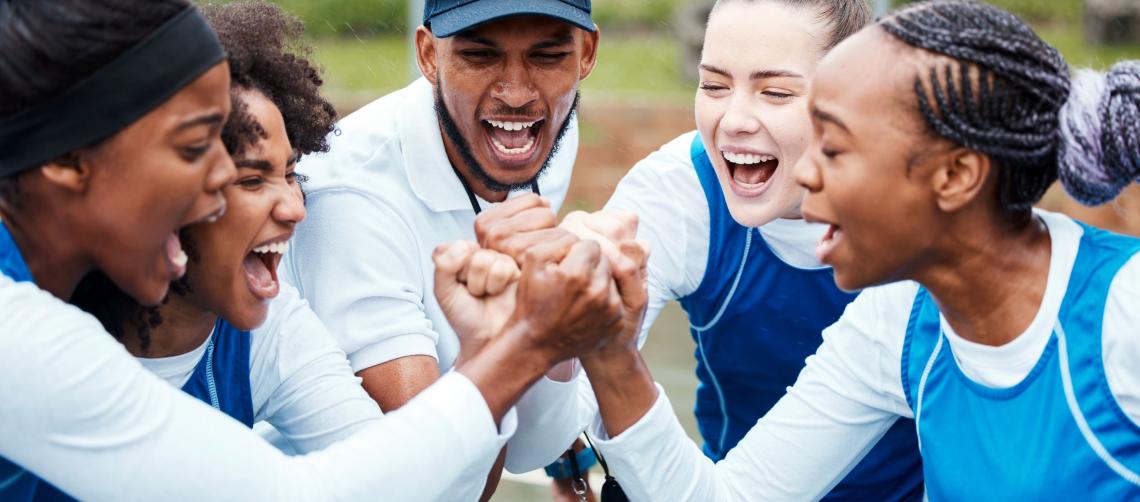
[[290, 208], [806, 171], [515, 88], [222, 170], [741, 117]]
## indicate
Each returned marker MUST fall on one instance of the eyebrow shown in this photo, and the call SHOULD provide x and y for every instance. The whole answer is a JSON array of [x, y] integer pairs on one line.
[[555, 41], [756, 75], [824, 116], [259, 164], [212, 119], [471, 37], [558, 41]]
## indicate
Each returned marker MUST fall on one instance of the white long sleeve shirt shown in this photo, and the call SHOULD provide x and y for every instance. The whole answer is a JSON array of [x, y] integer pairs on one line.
[[300, 379], [82, 413], [851, 392]]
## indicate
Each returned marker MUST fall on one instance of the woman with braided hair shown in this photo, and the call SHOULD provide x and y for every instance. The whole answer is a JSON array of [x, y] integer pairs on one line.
[[1007, 333]]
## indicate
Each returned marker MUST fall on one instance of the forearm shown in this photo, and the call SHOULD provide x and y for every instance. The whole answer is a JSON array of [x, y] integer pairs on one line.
[[505, 368], [623, 387]]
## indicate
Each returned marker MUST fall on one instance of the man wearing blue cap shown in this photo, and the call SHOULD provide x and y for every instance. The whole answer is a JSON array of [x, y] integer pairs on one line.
[[492, 117]]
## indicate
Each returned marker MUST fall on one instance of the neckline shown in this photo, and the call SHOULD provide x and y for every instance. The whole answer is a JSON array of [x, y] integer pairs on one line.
[[1065, 239]]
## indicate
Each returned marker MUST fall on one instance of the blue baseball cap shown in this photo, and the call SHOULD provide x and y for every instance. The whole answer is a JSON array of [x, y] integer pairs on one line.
[[448, 17]]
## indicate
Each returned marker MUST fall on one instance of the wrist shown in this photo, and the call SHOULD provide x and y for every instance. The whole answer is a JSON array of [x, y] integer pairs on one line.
[[613, 362], [524, 337]]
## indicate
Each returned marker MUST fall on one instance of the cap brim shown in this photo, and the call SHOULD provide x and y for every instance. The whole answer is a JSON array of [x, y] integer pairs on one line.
[[477, 13]]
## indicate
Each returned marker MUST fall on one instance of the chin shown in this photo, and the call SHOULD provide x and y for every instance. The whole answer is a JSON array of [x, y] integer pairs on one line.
[[247, 320], [853, 281], [151, 292], [754, 213]]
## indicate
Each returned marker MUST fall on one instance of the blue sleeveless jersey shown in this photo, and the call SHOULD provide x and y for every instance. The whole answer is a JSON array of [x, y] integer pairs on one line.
[[220, 379], [1059, 434], [755, 319]]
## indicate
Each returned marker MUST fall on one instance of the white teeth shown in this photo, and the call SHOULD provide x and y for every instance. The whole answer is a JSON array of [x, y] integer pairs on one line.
[[181, 259], [513, 151], [511, 126], [746, 158], [276, 248]]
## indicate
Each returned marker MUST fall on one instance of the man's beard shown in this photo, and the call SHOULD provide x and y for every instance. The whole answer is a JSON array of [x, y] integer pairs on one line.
[[451, 129]]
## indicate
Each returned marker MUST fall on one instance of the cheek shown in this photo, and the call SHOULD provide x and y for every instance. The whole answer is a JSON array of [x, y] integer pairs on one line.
[[709, 112], [790, 127]]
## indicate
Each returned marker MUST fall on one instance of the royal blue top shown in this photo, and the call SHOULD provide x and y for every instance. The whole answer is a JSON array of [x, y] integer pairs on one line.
[[1059, 434]]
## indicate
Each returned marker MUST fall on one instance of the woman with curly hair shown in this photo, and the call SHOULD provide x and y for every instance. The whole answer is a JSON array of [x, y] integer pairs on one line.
[[230, 334]]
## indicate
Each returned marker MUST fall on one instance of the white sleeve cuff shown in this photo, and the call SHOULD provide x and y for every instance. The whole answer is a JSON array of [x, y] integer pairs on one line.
[[391, 348], [548, 415], [658, 421]]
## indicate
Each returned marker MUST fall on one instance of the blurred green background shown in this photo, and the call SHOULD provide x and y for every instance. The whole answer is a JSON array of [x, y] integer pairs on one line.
[[363, 44], [637, 98]]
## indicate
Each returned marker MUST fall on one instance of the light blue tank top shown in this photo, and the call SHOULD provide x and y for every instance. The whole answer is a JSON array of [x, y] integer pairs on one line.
[[755, 319], [220, 379], [1059, 434]]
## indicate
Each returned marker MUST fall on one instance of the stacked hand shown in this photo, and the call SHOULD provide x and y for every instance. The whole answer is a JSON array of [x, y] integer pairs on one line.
[[578, 290]]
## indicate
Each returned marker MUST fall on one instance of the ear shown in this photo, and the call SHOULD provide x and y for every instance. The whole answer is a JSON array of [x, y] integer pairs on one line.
[[589, 52], [425, 54], [68, 172], [960, 178]]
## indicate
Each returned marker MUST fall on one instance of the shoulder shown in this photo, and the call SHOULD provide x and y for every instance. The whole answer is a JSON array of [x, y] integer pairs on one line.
[[338, 216], [291, 335], [26, 311], [364, 149], [879, 314]]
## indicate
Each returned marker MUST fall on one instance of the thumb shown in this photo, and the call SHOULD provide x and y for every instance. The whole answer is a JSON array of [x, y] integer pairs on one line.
[[631, 281]]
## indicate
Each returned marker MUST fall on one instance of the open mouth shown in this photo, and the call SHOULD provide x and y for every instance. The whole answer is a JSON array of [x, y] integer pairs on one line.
[[260, 267], [828, 242], [750, 173], [514, 143], [176, 258]]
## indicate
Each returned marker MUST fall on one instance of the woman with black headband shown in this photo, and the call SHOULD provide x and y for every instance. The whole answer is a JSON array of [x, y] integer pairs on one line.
[[110, 114], [1008, 334]]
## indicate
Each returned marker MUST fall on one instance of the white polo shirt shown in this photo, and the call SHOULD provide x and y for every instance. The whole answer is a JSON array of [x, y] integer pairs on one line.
[[378, 203]]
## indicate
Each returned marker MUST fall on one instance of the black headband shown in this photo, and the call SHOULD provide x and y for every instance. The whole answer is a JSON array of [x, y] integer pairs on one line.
[[113, 97]]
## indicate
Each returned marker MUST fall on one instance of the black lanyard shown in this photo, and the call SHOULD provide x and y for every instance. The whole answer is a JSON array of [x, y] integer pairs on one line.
[[471, 193]]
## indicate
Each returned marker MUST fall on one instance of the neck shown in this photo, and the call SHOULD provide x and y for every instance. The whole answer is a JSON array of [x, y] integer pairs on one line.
[[185, 327], [461, 167], [990, 278], [49, 248]]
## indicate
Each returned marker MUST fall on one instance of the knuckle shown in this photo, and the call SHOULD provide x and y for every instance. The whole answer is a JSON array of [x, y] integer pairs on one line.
[[497, 234], [482, 225]]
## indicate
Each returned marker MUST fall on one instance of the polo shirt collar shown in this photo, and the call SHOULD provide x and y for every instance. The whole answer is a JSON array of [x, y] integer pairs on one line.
[[429, 170]]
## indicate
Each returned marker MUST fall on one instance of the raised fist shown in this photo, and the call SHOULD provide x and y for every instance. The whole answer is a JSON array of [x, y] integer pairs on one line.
[[476, 290]]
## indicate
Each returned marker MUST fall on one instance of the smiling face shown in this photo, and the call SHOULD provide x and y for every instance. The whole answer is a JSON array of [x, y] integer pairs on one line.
[[751, 107], [870, 167], [508, 88], [161, 173], [234, 272]]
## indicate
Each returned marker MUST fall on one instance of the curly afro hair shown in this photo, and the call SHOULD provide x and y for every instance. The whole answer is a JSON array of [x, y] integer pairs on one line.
[[266, 54]]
